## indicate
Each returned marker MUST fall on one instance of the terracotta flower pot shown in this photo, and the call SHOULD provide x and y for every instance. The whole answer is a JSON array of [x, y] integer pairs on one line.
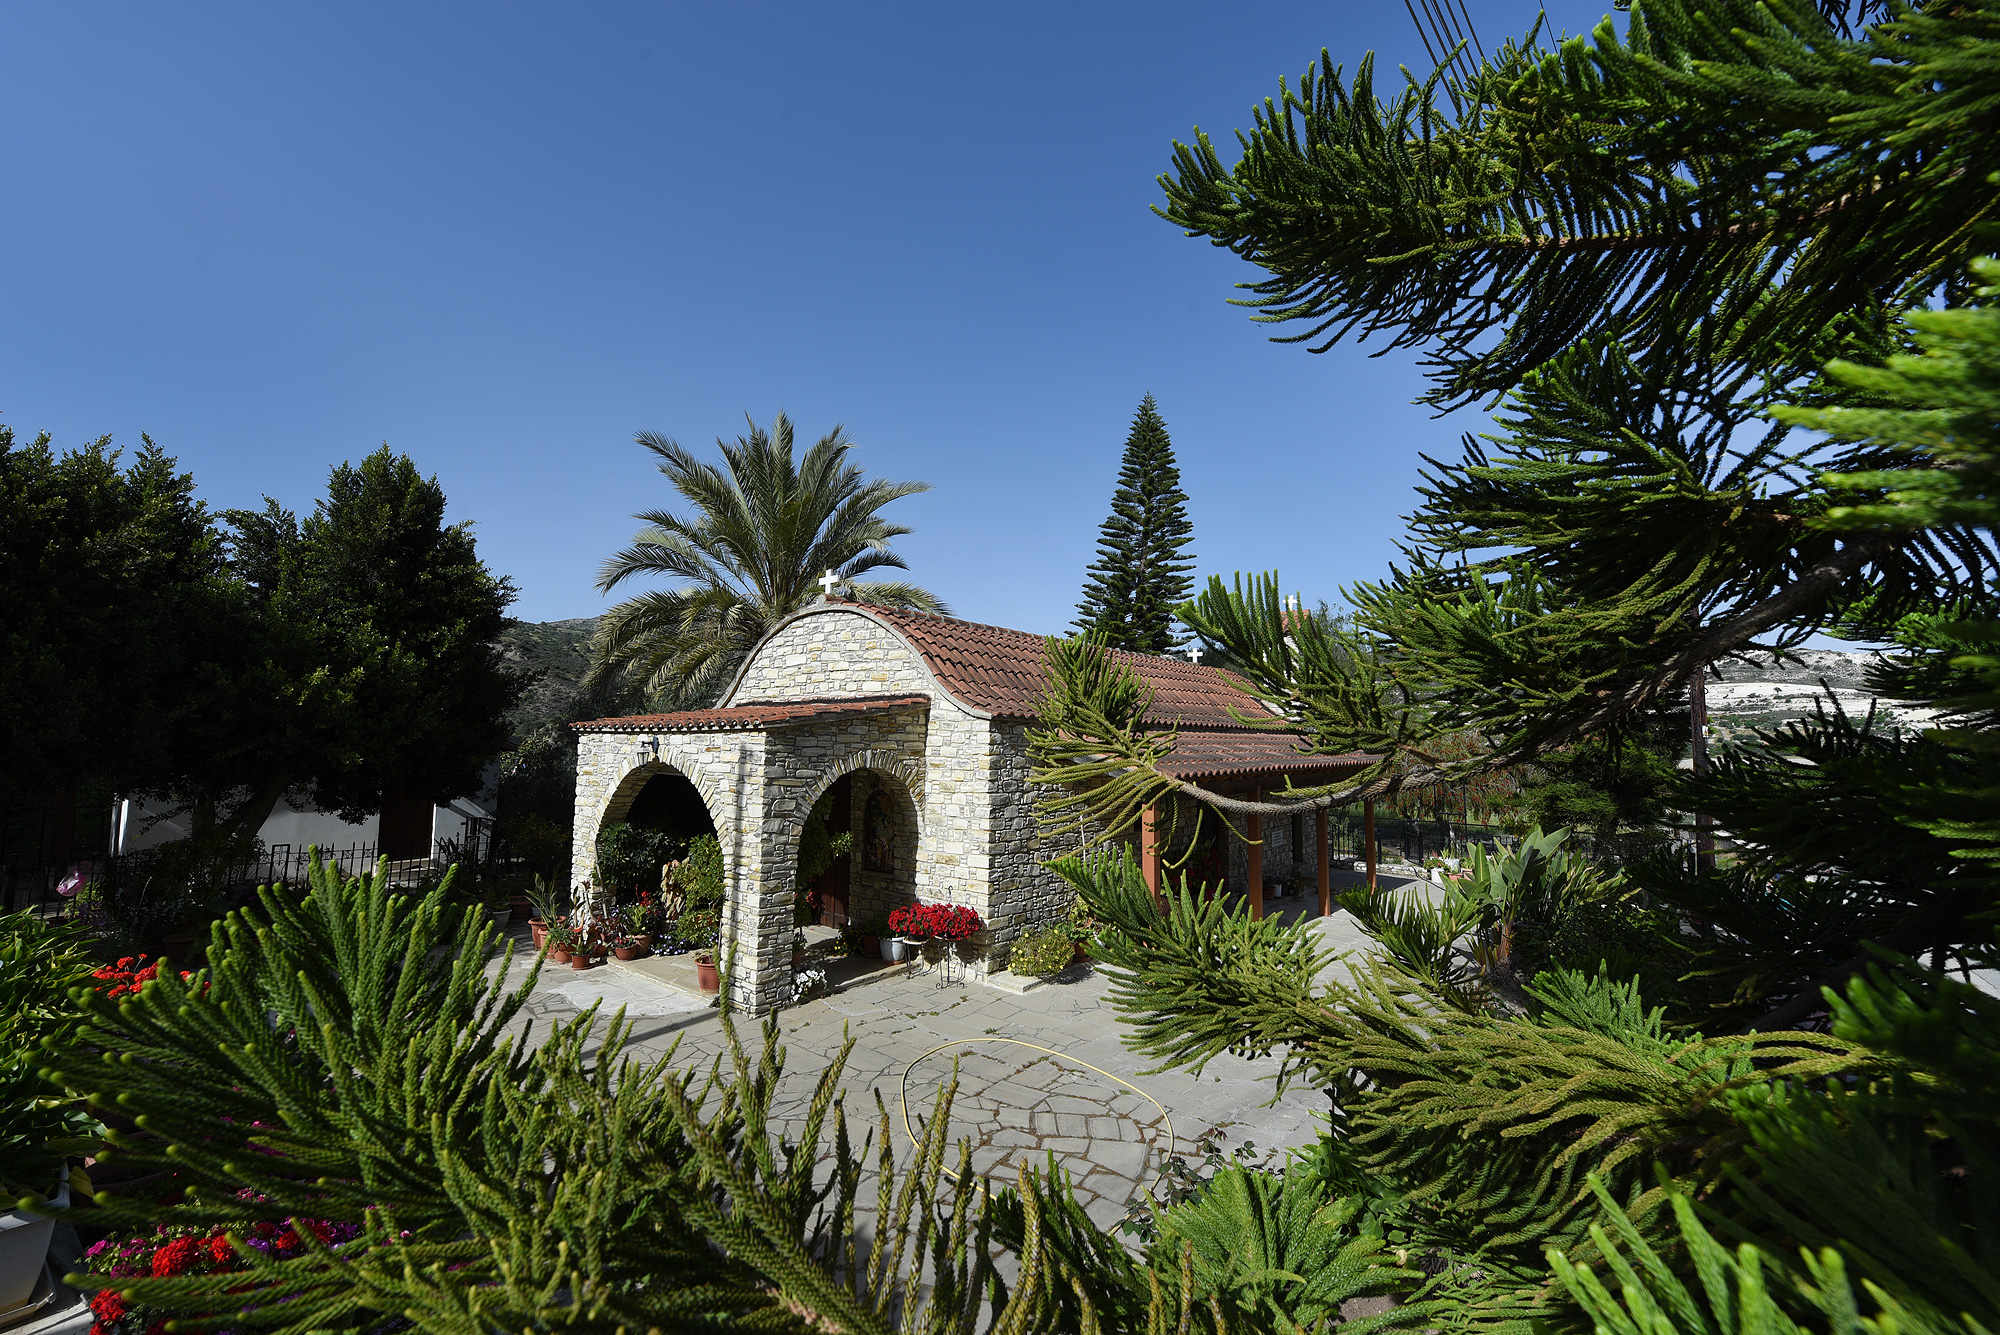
[[539, 930], [579, 961], [521, 905], [643, 940], [704, 972], [871, 946], [798, 959], [1078, 954], [629, 952], [559, 956]]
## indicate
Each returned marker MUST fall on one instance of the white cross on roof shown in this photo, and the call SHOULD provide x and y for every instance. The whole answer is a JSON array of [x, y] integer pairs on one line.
[[827, 582], [1194, 653]]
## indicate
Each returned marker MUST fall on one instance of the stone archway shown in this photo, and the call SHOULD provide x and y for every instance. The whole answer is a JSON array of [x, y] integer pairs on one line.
[[618, 773], [885, 817]]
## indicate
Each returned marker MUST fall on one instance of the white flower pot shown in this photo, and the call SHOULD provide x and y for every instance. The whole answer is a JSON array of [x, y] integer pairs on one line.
[[24, 1246], [892, 948]]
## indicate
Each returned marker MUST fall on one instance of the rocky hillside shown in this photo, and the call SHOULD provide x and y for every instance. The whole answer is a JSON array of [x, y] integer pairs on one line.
[[558, 652], [1767, 694]]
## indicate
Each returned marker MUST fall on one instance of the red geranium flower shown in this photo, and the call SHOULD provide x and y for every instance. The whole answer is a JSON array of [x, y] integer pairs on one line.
[[108, 1305], [221, 1249], [176, 1258]]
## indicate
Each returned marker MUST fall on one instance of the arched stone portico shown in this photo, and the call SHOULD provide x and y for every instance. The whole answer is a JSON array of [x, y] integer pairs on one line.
[[759, 780], [939, 710]]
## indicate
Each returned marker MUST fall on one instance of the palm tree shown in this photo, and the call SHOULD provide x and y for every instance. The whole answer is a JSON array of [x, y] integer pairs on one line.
[[762, 532]]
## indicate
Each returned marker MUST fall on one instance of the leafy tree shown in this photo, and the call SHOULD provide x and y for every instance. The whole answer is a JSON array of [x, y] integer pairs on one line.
[[1611, 782], [111, 587], [384, 681], [347, 658], [765, 527], [1141, 572], [1642, 295]]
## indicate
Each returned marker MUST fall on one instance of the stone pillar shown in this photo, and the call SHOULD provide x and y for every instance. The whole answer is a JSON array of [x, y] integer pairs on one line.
[[757, 924]]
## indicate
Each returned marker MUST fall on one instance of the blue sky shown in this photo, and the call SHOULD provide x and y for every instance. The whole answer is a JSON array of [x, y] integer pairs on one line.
[[505, 238]]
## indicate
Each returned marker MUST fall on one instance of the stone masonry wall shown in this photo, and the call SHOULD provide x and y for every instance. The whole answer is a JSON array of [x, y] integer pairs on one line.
[[832, 653], [1026, 894], [837, 652], [728, 769]]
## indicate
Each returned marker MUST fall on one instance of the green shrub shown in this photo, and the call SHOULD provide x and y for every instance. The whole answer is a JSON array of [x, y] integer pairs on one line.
[[629, 857], [1039, 954], [39, 1125], [700, 876], [700, 929]]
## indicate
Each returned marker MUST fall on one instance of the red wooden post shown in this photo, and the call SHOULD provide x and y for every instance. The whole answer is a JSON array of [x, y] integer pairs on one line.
[[1149, 849], [1368, 837], [1257, 858], [1325, 864]]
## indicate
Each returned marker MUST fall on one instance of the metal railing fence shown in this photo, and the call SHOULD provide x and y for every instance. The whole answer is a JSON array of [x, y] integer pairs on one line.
[[50, 890], [1400, 839]]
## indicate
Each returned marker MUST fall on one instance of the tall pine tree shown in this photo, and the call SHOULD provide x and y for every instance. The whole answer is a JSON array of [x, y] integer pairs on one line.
[[1142, 568]]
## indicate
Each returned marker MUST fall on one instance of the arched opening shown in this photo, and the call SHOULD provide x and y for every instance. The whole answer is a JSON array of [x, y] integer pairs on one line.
[[654, 817], [671, 805], [867, 821]]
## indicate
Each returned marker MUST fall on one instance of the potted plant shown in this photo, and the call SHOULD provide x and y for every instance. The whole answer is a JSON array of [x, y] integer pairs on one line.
[[638, 920], [957, 925], [562, 941], [24, 1248], [547, 904], [1082, 928], [798, 948], [624, 947], [911, 926], [705, 973]]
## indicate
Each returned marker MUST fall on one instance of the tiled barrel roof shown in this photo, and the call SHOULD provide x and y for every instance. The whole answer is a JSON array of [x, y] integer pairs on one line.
[[999, 672]]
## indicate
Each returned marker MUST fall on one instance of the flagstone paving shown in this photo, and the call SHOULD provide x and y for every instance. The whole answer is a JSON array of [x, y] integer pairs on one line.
[[1062, 1082]]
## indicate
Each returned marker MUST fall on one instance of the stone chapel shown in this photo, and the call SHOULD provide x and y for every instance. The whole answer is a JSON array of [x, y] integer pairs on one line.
[[917, 726]]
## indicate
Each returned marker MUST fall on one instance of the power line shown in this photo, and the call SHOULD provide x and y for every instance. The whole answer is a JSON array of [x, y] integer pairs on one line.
[[1455, 36]]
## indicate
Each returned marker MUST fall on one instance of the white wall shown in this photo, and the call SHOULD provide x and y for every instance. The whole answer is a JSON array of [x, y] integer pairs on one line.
[[133, 825]]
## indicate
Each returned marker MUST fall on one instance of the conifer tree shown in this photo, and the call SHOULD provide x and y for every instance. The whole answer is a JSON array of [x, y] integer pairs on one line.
[[1142, 568]]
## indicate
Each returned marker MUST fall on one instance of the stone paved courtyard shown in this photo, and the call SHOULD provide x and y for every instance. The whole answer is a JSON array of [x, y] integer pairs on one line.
[[1061, 1083]]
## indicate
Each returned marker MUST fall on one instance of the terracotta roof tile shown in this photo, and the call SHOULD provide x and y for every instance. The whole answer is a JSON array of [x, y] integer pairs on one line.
[[1204, 754], [1000, 672], [753, 718]]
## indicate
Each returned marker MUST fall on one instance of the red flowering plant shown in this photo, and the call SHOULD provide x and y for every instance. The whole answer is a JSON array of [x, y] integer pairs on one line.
[[128, 975], [946, 922], [172, 1251]]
